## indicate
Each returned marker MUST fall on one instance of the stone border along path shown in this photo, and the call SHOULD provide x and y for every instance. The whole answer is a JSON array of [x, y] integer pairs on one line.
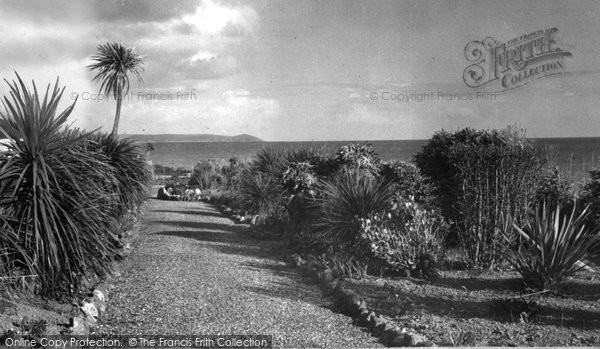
[[192, 271]]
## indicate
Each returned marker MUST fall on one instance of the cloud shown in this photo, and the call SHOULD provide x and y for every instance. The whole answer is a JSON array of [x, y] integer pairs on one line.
[[228, 112], [141, 10], [210, 17], [238, 109], [363, 114], [202, 45]]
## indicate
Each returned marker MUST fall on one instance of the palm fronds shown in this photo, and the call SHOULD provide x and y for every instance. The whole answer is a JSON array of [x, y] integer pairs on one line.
[[113, 63]]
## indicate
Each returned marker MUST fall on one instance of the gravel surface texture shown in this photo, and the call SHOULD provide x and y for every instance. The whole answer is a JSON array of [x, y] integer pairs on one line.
[[193, 271]]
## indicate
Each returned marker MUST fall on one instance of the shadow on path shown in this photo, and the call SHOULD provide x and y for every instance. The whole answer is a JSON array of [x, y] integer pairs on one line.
[[193, 212]]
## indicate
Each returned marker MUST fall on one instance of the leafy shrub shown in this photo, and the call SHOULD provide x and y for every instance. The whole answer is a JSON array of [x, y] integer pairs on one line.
[[232, 173], [300, 177], [361, 156], [434, 162], [206, 174], [345, 199], [344, 264], [230, 198], [497, 186], [555, 187], [407, 179], [481, 178], [437, 160], [170, 171], [56, 191], [591, 197], [519, 308], [554, 245], [323, 164], [302, 210], [407, 238]]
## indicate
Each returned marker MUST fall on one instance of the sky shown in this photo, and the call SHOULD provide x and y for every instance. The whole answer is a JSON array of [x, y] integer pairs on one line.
[[296, 70]]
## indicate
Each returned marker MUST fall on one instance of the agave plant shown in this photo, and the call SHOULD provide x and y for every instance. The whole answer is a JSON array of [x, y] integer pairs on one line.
[[54, 189], [555, 245]]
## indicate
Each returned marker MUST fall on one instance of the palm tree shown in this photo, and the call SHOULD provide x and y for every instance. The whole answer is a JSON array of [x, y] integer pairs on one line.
[[114, 63]]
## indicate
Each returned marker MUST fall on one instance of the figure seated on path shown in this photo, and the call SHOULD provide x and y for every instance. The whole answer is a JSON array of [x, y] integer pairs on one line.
[[197, 194], [167, 194], [192, 194], [188, 194]]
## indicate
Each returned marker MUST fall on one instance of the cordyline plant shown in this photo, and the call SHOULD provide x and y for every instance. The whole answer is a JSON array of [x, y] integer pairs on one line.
[[55, 191], [114, 63], [556, 243], [131, 171]]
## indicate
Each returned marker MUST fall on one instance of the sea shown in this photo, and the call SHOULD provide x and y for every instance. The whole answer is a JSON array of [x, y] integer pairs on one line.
[[575, 156]]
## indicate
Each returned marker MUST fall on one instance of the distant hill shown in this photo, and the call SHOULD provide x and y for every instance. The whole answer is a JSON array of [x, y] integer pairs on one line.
[[171, 138]]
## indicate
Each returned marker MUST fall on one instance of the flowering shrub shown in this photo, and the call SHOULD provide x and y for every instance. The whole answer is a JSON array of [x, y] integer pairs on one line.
[[300, 178], [407, 238], [361, 156]]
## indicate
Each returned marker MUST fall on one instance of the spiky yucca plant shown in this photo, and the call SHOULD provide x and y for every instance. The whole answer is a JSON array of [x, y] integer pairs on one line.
[[555, 242], [345, 199], [54, 190], [261, 194], [128, 164], [14, 260], [270, 161]]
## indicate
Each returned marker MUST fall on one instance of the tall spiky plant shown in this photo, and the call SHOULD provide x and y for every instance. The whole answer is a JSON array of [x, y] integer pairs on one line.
[[114, 64], [270, 161], [132, 173], [555, 243], [346, 198], [55, 190]]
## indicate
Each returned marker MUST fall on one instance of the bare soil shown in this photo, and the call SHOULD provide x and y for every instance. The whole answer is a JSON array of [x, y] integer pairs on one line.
[[470, 308]]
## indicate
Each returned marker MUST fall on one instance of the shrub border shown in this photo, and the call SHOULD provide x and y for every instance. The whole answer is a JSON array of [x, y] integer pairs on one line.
[[351, 303], [94, 306], [348, 301]]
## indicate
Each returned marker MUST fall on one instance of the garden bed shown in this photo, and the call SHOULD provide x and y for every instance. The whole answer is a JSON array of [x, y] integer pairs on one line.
[[470, 308]]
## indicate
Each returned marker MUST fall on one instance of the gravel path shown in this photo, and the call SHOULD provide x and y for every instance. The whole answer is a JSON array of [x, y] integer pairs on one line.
[[193, 272]]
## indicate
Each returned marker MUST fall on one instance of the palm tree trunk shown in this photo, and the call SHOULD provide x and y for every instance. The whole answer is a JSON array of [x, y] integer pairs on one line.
[[118, 112]]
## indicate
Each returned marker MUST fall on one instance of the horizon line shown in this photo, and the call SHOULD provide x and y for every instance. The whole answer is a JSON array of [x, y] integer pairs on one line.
[[323, 140]]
